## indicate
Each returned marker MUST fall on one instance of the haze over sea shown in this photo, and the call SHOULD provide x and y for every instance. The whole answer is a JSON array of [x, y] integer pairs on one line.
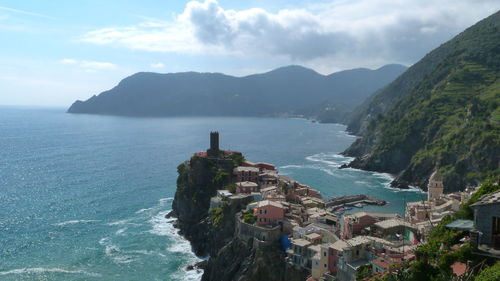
[[83, 197]]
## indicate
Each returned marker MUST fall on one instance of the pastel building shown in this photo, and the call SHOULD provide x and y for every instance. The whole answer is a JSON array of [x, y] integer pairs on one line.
[[319, 264], [269, 212], [355, 224], [334, 252], [246, 187], [243, 173]]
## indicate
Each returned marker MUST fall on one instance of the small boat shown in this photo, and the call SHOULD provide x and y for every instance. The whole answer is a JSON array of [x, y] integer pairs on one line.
[[347, 208], [358, 205], [338, 214]]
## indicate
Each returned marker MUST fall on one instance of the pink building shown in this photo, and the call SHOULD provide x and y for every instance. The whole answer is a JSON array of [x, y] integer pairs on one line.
[[268, 212], [333, 255]]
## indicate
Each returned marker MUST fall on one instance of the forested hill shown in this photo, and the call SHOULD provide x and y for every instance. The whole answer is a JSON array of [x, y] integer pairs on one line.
[[291, 90], [442, 113]]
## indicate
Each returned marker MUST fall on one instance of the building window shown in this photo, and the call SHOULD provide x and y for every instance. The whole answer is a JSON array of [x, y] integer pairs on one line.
[[324, 265], [324, 254], [357, 252]]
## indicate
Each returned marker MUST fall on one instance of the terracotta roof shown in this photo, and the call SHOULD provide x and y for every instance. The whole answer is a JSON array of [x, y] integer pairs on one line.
[[459, 268], [381, 263]]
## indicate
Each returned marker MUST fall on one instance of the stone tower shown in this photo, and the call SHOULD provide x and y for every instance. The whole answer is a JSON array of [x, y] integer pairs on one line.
[[213, 151], [435, 187]]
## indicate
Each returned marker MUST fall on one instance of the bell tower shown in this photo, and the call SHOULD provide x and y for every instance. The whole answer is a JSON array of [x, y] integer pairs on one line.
[[435, 187]]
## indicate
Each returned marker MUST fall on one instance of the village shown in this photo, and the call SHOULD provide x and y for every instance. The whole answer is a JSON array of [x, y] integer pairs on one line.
[[328, 238]]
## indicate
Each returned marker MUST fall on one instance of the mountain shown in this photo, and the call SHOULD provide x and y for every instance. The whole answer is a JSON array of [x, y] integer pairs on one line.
[[290, 90], [441, 114]]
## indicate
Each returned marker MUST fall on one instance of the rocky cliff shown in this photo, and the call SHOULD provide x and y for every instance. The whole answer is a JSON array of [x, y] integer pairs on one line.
[[211, 232], [441, 114]]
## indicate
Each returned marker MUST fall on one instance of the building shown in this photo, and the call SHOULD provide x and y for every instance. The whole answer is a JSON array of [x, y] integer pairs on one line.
[[435, 186], [246, 187], [355, 224], [243, 173], [334, 251], [487, 221], [393, 229], [269, 212], [319, 265], [352, 257], [298, 253]]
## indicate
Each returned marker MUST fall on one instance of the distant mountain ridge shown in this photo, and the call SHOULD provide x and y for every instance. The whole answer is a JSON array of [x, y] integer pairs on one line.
[[290, 90], [442, 114]]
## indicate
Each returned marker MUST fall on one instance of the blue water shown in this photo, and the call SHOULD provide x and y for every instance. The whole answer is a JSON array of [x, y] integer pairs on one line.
[[83, 197]]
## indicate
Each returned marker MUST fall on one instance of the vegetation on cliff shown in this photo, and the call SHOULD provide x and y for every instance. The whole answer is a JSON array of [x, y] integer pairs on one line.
[[198, 181], [440, 115]]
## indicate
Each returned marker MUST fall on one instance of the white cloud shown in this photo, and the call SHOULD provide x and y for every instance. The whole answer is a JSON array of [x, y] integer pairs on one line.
[[343, 33], [157, 65], [68, 61], [89, 65], [24, 12]]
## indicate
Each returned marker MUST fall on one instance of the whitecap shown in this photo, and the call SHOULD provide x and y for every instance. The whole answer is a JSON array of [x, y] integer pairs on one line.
[[41, 270], [74, 222], [292, 167], [114, 253], [120, 231], [188, 275], [123, 222], [144, 210]]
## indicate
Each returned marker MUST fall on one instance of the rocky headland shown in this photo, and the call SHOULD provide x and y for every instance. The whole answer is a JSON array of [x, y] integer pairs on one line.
[[213, 234]]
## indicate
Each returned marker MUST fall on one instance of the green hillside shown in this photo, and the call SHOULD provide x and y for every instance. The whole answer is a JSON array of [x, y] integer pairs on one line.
[[448, 119]]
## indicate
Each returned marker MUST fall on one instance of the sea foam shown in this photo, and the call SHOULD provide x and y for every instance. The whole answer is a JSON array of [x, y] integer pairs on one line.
[[42, 270]]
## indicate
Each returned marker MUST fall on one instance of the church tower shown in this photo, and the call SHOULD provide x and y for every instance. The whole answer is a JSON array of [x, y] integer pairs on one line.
[[213, 151], [435, 187]]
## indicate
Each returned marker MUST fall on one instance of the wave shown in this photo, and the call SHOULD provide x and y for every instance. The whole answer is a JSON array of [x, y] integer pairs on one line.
[[292, 167], [123, 222], [114, 252], [188, 275], [74, 222], [330, 159], [164, 227], [120, 231], [41, 270]]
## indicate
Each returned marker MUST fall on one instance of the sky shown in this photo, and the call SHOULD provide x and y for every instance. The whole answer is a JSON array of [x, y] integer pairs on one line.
[[55, 52]]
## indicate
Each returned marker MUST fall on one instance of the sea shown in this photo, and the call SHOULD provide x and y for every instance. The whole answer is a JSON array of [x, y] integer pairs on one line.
[[83, 197]]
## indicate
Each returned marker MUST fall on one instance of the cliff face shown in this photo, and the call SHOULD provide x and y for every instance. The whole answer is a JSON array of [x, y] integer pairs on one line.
[[212, 232], [236, 261], [440, 114], [198, 181]]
